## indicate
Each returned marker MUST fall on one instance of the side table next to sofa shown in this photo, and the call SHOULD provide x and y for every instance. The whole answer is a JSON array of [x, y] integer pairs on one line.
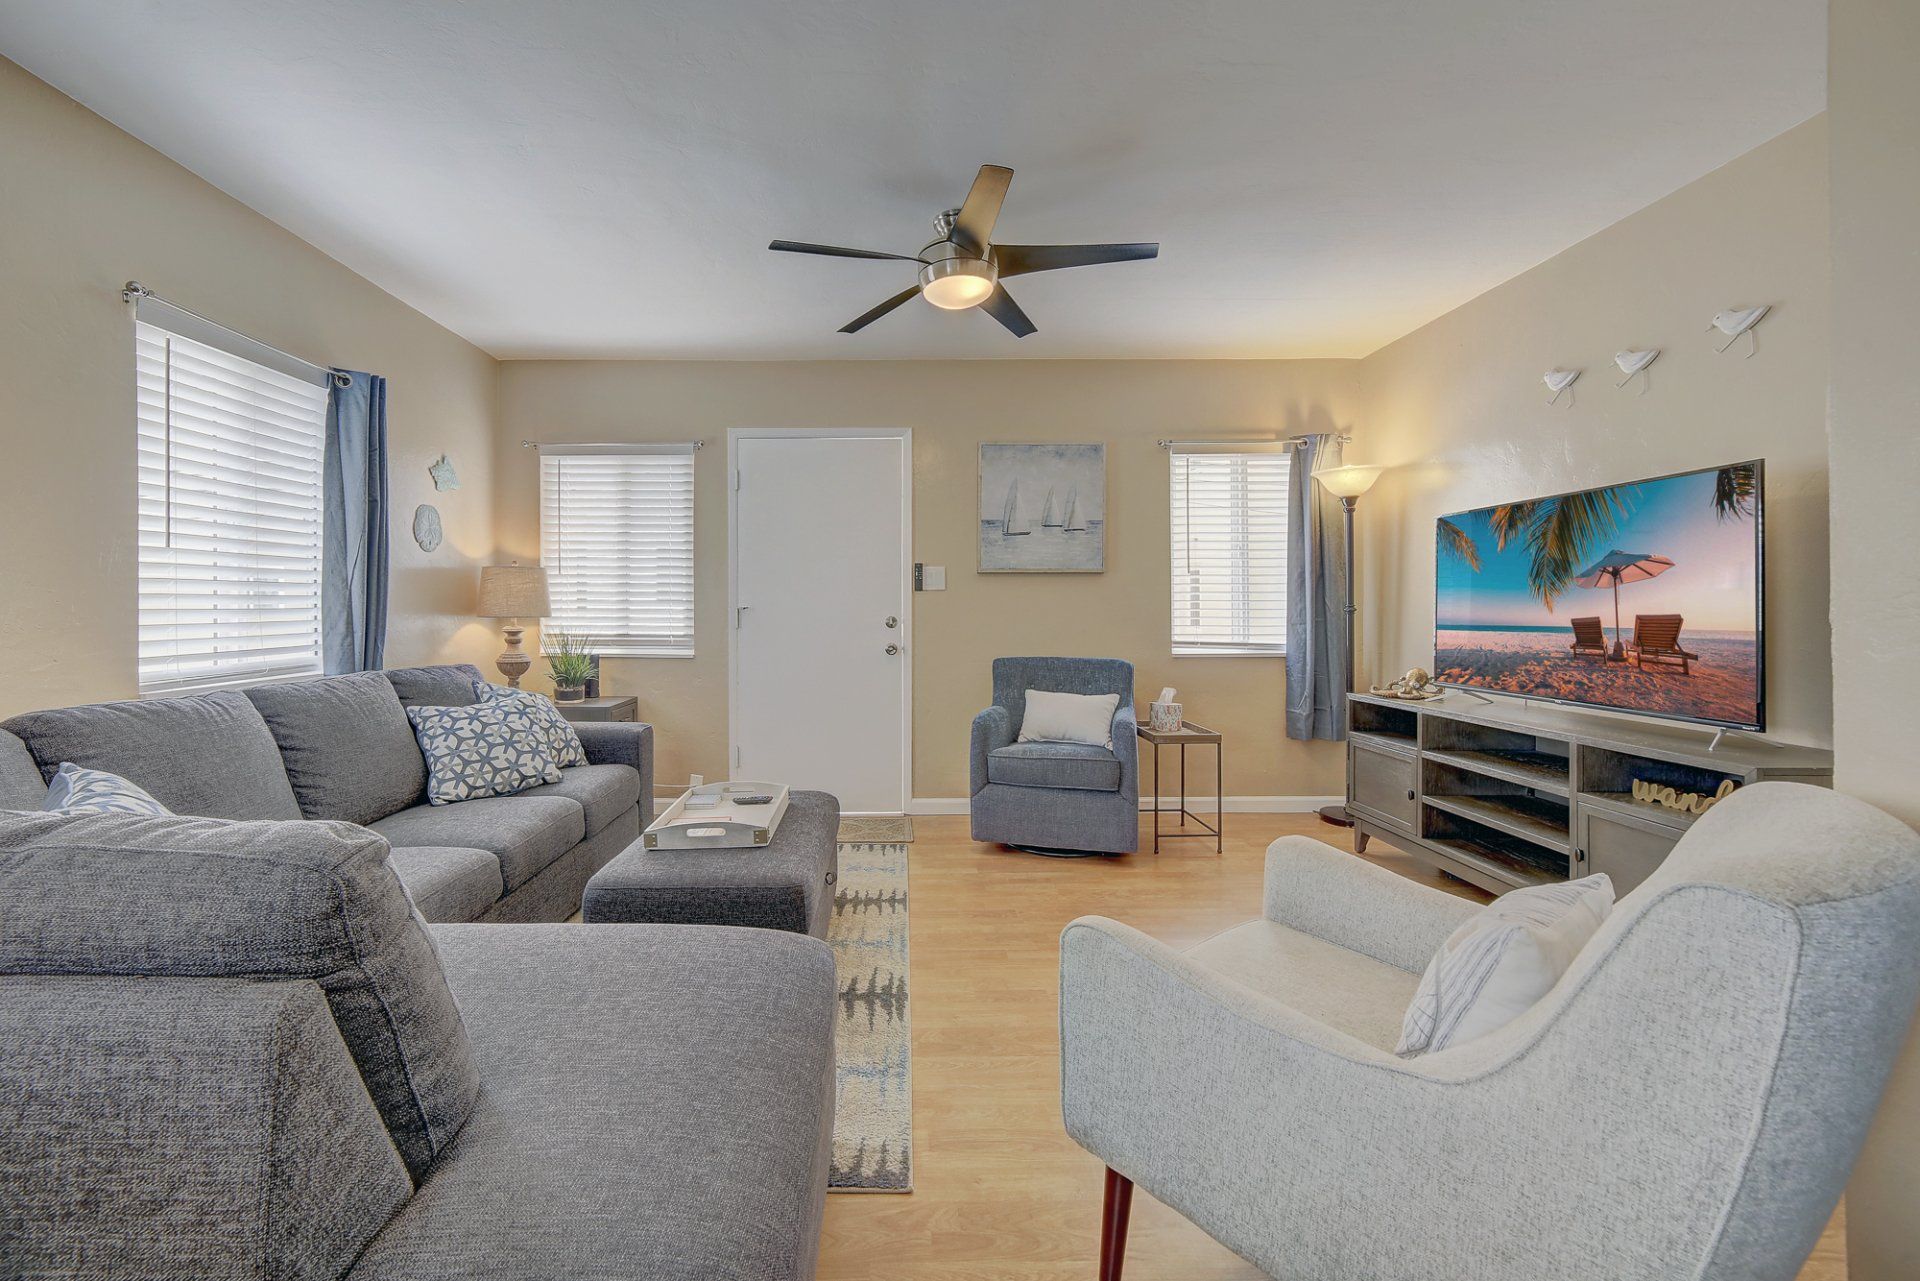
[[615, 708]]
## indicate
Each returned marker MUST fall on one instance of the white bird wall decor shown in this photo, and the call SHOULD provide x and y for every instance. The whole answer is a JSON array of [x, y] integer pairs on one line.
[[1735, 321], [1558, 380], [1633, 363]]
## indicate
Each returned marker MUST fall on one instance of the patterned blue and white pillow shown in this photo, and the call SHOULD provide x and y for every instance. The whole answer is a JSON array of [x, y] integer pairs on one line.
[[567, 751], [495, 747], [78, 790]]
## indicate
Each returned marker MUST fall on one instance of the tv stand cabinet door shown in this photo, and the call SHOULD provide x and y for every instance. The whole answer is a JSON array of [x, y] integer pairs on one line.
[[1381, 785], [1624, 846]]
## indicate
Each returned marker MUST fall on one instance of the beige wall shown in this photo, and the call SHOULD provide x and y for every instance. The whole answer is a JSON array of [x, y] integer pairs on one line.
[[1458, 410], [84, 208], [952, 407], [1873, 48]]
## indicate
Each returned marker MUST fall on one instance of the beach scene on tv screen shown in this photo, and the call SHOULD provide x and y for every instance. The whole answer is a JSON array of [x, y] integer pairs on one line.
[[1641, 597]]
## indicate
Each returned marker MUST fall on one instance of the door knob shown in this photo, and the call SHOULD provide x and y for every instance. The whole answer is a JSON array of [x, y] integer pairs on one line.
[[893, 649], [892, 621]]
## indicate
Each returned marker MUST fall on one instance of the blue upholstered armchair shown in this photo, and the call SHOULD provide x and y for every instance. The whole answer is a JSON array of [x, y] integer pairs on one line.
[[1064, 798]]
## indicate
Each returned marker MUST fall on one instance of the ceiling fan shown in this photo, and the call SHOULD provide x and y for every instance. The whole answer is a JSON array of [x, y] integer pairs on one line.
[[962, 267]]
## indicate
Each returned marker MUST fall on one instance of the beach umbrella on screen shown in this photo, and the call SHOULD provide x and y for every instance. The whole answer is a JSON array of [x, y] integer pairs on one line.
[[1615, 568]]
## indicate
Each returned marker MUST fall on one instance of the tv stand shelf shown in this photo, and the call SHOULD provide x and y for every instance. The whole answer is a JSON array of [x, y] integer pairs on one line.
[[1507, 794]]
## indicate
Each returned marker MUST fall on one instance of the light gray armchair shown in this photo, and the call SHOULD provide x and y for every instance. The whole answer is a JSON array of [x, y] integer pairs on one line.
[[1056, 797], [1686, 1102]]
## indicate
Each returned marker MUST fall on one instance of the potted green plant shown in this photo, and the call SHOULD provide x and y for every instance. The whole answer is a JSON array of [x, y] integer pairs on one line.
[[570, 664]]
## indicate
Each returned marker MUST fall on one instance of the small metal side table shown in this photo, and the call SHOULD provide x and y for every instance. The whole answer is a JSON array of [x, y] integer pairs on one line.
[[1186, 736], [601, 709]]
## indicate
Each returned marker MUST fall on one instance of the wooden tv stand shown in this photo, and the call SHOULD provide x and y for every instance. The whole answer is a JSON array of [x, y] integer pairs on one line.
[[1506, 794]]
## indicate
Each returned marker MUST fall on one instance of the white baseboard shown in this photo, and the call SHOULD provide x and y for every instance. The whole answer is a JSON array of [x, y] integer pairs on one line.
[[1201, 805], [937, 805]]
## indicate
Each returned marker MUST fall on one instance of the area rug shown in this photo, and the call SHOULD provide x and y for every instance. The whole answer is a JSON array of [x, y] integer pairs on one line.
[[873, 1116], [876, 827]]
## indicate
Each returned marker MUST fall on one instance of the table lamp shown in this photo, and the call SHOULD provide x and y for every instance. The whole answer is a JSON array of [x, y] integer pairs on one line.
[[513, 592], [1347, 483]]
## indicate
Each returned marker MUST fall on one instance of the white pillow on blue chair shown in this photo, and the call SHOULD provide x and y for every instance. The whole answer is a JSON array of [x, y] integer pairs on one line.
[[1068, 718], [76, 789]]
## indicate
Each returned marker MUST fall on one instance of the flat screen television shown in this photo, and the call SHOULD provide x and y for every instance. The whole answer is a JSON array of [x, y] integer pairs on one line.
[[1643, 597]]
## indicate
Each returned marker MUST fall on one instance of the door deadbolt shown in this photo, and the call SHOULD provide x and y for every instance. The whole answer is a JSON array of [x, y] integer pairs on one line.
[[892, 621], [893, 649]]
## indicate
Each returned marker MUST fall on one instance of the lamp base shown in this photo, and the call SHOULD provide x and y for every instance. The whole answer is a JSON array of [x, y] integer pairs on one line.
[[513, 661], [1336, 815]]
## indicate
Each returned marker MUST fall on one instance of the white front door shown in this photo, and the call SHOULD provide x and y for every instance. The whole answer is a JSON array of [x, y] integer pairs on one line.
[[821, 574]]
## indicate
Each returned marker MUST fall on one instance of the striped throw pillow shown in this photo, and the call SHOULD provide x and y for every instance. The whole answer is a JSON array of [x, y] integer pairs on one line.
[[1494, 968]]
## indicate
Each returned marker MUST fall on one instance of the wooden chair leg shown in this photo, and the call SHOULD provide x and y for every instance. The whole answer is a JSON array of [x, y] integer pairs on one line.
[[1113, 1225]]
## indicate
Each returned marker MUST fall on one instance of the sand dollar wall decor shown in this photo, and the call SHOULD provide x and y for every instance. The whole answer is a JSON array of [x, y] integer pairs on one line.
[[426, 526]]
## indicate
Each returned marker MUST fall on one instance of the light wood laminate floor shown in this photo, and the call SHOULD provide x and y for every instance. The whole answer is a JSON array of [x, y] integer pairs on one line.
[[1001, 1193]]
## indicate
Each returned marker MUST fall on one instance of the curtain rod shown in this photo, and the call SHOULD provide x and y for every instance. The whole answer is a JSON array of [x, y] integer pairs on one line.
[[1291, 442], [133, 290]]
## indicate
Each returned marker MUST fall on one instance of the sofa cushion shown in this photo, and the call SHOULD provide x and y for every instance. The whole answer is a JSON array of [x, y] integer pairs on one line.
[[130, 895], [659, 1102], [202, 754], [22, 786], [77, 790], [448, 883], [1360, 996], [492, 748], [604, 792], [561, 736], [1074, 765], [524, 832], [346, 745], [445, 685]]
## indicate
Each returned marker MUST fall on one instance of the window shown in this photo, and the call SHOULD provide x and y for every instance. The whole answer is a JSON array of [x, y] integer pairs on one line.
[[230, 455], [616, 537], [1230, 552]]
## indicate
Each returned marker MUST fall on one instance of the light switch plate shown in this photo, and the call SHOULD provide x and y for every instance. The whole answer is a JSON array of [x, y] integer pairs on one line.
[[933, 578]]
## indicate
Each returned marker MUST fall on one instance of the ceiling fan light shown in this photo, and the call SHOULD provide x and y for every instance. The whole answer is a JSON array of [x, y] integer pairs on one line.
[[956, 284]]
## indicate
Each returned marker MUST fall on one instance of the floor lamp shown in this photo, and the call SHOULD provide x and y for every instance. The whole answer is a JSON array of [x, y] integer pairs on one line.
[[1347, 483]]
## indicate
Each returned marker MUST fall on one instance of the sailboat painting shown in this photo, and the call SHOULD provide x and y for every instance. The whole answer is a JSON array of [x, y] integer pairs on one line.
[[1043, 509]]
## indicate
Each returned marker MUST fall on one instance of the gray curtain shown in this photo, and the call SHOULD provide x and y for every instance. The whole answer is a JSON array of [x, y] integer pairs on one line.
[[353, 567], [1316, 599]]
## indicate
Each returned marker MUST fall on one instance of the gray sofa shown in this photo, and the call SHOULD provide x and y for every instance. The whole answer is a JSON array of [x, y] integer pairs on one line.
[[1056, 797], [237, 1050], [340, 747]]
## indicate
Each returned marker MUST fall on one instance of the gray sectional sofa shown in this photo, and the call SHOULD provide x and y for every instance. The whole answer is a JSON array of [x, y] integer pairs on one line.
[[340, 747], [236, 1050]]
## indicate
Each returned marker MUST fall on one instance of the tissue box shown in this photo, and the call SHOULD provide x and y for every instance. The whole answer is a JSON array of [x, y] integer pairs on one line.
[[1164, 718]]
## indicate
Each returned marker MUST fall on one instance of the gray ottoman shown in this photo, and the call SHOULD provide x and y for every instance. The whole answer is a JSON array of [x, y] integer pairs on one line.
[[787, 885]]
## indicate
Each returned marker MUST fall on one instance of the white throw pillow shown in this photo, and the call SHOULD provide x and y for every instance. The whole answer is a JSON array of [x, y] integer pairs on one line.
[[1068, 718], [1493, 968]]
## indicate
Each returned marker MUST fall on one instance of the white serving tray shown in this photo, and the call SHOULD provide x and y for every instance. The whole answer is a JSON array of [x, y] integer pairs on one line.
[[724, 825]]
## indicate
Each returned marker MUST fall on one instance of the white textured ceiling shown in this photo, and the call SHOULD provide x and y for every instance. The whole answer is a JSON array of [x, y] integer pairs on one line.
[[600, 178]]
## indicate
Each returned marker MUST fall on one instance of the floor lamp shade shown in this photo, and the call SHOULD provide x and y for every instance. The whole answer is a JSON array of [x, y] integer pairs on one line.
[[513, 592]]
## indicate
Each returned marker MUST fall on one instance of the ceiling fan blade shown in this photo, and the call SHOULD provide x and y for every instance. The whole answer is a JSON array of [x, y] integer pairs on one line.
[[973, 228], [834, 251], [1001, 306], [855, 326], [1019, 260]]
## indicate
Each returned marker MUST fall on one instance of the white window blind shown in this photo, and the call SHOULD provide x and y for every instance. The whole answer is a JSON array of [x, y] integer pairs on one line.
[[1230, 552], [230, 456], [616, 537]]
